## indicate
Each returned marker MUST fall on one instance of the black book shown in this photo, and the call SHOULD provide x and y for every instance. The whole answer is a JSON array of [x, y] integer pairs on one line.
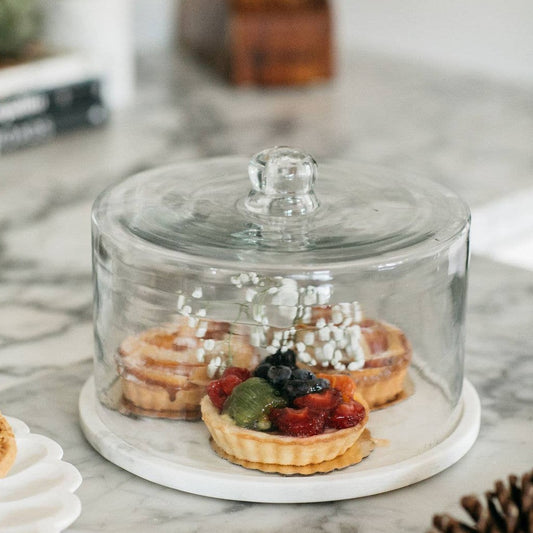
[[35, 129], [55, 100]]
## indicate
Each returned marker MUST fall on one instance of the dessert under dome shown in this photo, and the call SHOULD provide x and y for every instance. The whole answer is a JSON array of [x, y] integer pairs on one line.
[[355, 268]]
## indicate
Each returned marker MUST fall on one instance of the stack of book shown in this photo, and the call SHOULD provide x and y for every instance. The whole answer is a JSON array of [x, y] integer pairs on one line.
[[47, 97]]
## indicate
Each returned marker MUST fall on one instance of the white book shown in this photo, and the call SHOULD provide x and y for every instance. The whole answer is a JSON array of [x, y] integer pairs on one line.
[[47, 73]]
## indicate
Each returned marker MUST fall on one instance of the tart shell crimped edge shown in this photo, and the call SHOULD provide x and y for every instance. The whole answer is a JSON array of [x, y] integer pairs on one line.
[[362, 448], [269, 448]]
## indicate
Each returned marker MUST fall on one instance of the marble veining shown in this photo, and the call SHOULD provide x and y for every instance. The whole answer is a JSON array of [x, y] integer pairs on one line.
[[470, 134]]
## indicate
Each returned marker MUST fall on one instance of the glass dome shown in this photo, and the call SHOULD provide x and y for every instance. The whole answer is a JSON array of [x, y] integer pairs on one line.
[[356, 269]]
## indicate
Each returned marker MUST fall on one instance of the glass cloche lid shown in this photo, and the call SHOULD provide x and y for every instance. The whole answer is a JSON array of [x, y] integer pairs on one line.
[[339, 268], [292, 215]]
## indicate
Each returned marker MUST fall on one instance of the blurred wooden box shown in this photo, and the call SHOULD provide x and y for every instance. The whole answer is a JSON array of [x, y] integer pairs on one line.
[[261, 42]]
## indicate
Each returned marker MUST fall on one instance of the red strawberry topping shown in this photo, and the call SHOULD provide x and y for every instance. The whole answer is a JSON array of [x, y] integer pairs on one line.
[[320, 401], [219, 389], [229, 382], [298, 422], [216, 394], [347, 415]]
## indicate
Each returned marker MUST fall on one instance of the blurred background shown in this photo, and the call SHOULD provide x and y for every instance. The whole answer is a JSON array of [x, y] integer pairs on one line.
[[93, 90], [492, 38]]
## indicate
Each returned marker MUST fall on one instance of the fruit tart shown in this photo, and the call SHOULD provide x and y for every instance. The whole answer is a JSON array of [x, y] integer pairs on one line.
[[281, 415], [8, 447], [164, 370], [375, 354]]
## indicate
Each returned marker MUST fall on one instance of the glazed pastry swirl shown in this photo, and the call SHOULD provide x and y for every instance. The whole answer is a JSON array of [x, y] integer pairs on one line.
[[164, 370]]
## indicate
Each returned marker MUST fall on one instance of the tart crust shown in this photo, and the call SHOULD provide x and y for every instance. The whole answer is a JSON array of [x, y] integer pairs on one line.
[[274, 449], [162, 374], [353, 455], [8, 447]]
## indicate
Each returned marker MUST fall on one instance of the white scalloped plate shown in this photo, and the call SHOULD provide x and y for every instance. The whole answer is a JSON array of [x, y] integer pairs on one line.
[[37, 495]]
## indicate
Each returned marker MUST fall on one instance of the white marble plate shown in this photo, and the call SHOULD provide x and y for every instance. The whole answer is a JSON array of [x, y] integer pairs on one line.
[[177, 454], [37, 495]]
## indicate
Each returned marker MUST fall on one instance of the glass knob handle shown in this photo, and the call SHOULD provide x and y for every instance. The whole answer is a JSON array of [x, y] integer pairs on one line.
[[282, 183]]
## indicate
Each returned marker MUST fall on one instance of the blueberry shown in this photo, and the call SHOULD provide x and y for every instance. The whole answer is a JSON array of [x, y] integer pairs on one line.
[[287, 358], [297, 387], [274, 359], [301, 373], [262, 370], [317, 385], [323, 383], [278, 375]]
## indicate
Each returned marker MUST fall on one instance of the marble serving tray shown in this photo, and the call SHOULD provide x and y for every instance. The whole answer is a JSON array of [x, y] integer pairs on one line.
[[177, 454]]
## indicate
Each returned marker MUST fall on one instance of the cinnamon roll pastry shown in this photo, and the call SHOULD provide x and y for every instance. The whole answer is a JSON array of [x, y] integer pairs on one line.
[[164, 370], [375, 354]]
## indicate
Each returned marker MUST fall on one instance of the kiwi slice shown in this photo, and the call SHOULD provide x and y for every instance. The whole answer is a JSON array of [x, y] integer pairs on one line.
[[251, 401]]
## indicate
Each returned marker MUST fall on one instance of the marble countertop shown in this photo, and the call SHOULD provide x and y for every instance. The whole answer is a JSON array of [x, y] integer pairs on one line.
[[470, 134]]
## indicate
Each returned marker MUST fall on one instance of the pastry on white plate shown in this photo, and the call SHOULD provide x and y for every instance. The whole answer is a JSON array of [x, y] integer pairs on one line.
[[8, 447]]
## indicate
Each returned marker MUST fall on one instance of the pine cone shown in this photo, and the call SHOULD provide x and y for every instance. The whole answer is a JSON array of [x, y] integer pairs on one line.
[[509, 509]]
